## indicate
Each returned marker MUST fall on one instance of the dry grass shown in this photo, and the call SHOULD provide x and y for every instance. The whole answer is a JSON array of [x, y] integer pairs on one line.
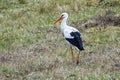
[[53, 60], [32, 48]]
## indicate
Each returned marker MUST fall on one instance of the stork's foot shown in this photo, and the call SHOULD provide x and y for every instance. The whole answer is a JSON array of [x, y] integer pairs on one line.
[[78, 57], [77, 62]]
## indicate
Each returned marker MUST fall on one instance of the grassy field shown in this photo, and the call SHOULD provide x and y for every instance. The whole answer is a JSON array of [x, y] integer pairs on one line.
[[32, 48]]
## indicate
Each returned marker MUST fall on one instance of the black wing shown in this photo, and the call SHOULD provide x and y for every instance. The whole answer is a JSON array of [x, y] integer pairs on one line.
[[76, 41]]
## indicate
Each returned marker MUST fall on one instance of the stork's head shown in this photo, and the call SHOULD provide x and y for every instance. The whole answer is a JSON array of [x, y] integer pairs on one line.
[[62, 16]]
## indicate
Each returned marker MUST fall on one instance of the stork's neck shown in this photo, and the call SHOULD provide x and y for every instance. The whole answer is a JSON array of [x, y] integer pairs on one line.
[[64, 23]]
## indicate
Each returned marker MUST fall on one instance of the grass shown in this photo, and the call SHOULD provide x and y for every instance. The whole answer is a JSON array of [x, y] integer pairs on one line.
[[32, 48]]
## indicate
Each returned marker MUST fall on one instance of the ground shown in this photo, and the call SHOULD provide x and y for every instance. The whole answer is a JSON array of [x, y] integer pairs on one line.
[[32, 47]]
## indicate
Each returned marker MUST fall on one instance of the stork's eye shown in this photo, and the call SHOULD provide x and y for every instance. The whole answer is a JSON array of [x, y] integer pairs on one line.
[[62, 15]]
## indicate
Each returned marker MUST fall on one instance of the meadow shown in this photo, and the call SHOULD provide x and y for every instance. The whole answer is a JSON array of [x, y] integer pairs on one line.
[[32, 47]]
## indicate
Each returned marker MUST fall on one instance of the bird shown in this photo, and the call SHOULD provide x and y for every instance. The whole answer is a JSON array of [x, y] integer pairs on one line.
[[71, 34]]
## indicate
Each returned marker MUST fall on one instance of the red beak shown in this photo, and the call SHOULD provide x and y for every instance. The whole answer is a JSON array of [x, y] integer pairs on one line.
[[58, 19]]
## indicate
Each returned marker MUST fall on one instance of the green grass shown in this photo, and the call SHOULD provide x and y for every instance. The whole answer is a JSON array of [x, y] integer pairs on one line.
[[32, 48]]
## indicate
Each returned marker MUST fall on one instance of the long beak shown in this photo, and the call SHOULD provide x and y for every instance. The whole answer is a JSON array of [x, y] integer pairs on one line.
[[58, 19]]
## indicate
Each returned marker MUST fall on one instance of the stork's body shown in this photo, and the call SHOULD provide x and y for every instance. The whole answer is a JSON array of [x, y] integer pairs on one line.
[[72, 35]]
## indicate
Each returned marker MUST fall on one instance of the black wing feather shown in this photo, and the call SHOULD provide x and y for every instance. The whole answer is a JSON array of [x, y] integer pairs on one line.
[[76, 41]]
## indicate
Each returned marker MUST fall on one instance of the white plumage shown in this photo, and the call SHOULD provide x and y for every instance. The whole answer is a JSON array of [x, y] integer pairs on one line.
[[68, 30]]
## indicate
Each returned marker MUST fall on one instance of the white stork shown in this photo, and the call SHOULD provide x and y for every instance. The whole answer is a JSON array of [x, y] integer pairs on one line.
[[72, 35]]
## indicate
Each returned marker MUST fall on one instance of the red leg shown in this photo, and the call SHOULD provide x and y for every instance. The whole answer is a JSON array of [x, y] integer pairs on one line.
[[72, 54], [77, 59]]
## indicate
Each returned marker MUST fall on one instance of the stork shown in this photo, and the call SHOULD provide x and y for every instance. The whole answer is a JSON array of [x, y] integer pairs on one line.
[[72, 35]]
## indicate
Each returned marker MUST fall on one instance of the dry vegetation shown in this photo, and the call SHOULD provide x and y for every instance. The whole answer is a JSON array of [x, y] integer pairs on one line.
[[32, 48]]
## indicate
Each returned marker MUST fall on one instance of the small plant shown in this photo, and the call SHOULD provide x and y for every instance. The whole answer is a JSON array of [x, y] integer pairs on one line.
[[22, 1]]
